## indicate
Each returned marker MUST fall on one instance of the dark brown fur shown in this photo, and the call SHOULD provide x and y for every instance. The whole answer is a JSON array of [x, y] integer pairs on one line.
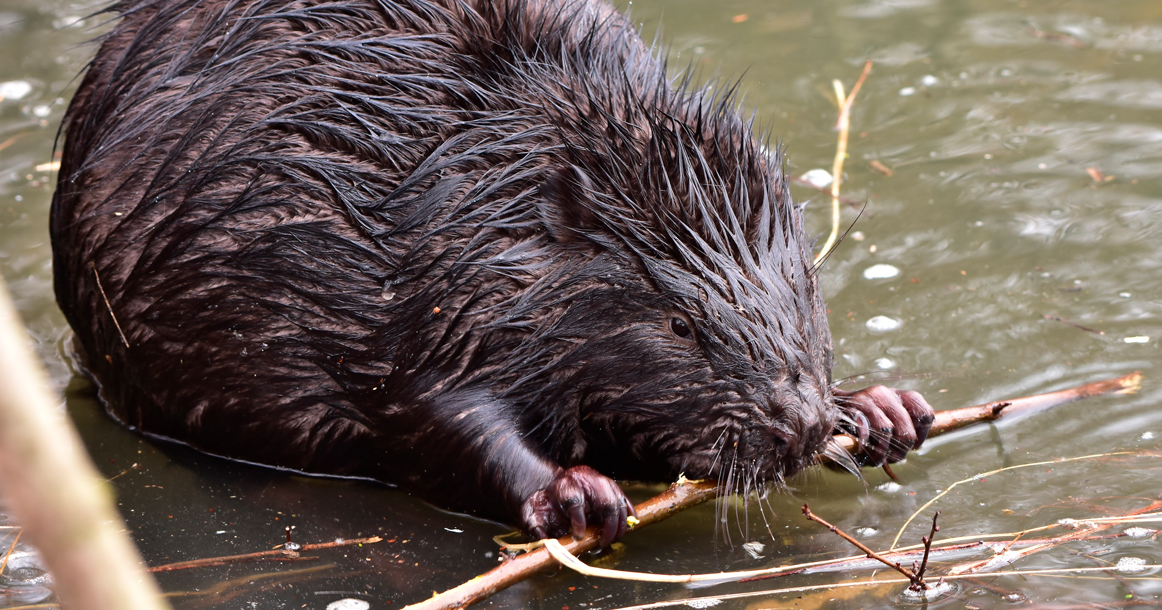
[[447, 246]]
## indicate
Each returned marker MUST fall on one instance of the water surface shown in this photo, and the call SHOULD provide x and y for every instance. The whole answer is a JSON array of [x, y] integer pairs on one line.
[[1024, 141]]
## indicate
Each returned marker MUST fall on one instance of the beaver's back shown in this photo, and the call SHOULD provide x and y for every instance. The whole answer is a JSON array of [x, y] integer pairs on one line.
[[258, 187]]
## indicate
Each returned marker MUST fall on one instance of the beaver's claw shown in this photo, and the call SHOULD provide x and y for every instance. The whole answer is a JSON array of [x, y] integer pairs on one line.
[[888, 423], [577, 496]]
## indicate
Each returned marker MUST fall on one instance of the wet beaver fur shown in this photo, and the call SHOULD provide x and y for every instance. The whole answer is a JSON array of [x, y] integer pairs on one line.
[[486, 252]]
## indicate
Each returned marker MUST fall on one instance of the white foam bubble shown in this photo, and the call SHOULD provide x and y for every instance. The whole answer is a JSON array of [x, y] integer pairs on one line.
[[818, 178], [348, 603], [881, 271], [14, 89], [1130, 565], [882, 324]]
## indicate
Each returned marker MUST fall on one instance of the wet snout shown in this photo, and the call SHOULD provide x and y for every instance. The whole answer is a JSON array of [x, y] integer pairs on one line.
[[803, 419]]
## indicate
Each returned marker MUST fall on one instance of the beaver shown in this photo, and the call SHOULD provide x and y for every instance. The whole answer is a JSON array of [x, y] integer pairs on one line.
[[486, 251]]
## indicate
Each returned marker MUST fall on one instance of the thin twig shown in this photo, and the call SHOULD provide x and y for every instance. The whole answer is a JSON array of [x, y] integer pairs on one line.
[[844, 126], [11, 548], [123, 472], [915, 579], [927, 548], [11, 141], [982, 475], [209, 562], [1113, 573], [108, 306], [711, 600], [229, 589], [284, 554], [565, 558], [946, 547], [1009, 555]]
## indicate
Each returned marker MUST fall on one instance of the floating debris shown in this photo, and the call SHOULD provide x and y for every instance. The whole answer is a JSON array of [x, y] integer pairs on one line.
[[880, 167], [754, 549]]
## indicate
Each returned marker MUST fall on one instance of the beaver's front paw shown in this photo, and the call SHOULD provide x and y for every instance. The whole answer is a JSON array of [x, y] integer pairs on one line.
[[577, 496], [887, 422]]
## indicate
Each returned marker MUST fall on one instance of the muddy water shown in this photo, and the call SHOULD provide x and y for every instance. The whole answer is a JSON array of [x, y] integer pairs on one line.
[[1024, 141]]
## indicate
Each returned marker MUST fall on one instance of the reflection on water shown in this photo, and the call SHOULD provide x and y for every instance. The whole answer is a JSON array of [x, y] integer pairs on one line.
[[1024, 142], [24, 579]]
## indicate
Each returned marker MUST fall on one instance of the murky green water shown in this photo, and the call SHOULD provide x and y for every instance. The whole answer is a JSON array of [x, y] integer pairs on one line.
[[993, 116]]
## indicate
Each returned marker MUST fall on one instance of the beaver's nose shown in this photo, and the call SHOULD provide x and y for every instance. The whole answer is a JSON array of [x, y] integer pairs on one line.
[[812, 419], [786, 443]]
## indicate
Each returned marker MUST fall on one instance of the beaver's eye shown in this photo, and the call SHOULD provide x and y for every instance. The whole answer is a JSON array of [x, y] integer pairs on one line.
[[679, 327]]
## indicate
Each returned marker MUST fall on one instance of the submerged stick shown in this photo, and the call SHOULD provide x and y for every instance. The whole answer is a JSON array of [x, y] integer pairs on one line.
[[685, 493]]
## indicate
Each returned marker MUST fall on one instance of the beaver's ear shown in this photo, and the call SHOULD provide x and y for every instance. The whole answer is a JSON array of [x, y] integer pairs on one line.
[[564, 198]]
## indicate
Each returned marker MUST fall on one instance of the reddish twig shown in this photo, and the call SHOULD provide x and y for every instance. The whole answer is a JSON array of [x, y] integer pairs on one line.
[[927, 549], [916, 580]]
